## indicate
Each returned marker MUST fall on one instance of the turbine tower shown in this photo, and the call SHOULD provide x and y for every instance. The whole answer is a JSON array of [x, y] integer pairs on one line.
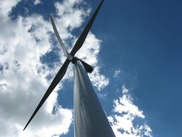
[[89, 117]]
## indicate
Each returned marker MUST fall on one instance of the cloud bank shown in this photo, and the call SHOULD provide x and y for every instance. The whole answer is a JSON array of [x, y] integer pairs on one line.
[[127, 120]]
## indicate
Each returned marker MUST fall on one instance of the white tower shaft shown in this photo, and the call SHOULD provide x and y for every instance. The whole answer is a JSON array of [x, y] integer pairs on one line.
[[89, 117]]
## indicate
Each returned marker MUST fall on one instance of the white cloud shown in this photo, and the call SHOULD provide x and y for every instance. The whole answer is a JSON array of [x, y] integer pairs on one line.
[[98, 80], [6, 6], [22, 86], [69, 18], [36, 2], [23, 82], [124, 115], [116, 73]]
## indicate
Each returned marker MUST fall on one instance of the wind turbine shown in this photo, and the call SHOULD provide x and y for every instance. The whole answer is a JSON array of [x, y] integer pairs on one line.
[[89, 117]]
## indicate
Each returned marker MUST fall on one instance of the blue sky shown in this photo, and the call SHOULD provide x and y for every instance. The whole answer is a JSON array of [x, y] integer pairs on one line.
[[135, 46]]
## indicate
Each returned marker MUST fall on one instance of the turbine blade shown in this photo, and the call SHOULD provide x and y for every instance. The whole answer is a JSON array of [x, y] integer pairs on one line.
[[55, 81], [87, 67], [84, 34], [60, 40]]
